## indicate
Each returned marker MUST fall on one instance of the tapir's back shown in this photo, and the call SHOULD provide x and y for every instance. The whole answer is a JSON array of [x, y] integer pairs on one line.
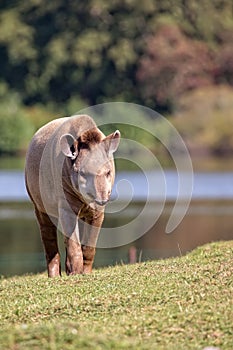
[[34, 155], [42, 152]]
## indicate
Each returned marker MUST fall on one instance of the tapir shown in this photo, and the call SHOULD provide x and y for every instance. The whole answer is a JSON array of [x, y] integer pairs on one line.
[[69, 175]]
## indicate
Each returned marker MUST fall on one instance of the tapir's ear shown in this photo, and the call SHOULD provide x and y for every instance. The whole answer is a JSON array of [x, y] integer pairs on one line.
[[112, 142], [69, 146]]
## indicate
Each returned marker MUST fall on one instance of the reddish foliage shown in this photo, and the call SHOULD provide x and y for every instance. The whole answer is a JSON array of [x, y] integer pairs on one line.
[[173, 64], [224, 59]]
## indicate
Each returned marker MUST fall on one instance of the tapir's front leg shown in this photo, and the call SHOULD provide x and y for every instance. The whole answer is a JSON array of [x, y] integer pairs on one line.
[[69, 226], [91, 227], [74, 257]]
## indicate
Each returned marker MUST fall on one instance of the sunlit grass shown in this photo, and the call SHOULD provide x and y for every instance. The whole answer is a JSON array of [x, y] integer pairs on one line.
[[180, 303]]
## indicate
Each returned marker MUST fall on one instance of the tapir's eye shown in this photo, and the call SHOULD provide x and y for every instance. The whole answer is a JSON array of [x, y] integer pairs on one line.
[[81, 173]]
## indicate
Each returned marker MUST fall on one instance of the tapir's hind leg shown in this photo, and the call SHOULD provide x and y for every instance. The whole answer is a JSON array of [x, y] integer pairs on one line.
[[48, 232]]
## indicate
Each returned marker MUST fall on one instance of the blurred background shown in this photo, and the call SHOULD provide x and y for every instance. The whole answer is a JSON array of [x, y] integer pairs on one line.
[[174, 56]]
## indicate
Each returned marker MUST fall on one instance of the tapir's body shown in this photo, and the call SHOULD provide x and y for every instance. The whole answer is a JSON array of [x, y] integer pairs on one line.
[[69, 177]]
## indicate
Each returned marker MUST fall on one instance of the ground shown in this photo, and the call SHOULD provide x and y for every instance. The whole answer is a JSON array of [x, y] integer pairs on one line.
[[179, 303]]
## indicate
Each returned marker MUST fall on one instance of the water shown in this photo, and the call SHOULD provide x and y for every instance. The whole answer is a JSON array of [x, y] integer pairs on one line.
[[209, 218], [214, 185]]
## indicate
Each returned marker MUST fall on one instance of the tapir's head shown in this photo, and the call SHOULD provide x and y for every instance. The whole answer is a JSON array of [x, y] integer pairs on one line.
[[91, 164]]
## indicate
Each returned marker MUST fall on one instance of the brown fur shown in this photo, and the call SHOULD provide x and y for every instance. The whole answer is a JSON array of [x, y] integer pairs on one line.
[[69, 184], [90, 137]]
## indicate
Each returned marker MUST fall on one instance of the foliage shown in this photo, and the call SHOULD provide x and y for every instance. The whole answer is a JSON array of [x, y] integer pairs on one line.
[[172, 65], [168, 304], [224, 60], [205, 120], [59, 57], [92, 50], [38, 115], [15, 130]]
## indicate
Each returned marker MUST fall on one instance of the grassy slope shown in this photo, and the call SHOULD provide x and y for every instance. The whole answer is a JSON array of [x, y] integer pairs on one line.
[[181, 303]]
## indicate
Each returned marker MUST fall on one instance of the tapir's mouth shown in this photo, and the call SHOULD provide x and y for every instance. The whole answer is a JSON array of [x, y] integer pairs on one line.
[[101, 202]]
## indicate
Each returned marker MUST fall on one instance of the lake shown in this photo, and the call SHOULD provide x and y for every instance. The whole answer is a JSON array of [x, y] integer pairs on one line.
[[206, 185], [123, 238]]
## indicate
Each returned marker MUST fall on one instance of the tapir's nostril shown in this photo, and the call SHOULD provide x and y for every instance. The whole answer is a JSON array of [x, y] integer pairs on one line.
[[90, 195], [101, 202]]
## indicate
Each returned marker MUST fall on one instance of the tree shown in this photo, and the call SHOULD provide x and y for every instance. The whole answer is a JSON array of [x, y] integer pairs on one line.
[[173, 64], [56, 51], [224, 58], [16, 129]]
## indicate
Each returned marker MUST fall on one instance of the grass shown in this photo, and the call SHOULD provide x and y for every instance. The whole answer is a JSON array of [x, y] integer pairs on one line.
[[179, 303]]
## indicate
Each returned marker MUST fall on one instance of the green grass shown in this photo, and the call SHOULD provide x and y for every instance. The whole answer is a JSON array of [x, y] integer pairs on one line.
[[180, 303]]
